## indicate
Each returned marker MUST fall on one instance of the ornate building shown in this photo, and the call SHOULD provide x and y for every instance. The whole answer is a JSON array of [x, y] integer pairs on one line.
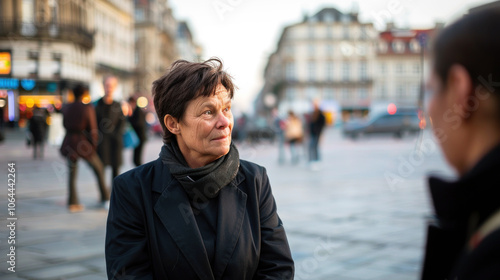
[[155, 48], [48, 45], [114, 47], [328, 56]]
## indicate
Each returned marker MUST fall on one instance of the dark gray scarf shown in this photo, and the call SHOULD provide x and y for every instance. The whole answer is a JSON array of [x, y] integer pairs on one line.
[[204, 182]]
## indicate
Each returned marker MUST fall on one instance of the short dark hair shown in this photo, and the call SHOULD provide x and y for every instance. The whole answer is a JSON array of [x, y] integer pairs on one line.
[[186, 81], [78, 91], [472, 42]]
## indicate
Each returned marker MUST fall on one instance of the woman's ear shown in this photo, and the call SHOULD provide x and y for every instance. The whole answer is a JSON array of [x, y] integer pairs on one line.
[[460, 86], [172, 124]]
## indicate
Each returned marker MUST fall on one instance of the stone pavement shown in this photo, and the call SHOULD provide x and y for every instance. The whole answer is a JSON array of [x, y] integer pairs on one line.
[[358, 215]]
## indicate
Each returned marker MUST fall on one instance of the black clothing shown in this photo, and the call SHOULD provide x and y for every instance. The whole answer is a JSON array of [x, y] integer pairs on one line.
[[80, 142], [110, 122], [138, 122], [153, 231], [462, 207], [204, 182], [316, 126]]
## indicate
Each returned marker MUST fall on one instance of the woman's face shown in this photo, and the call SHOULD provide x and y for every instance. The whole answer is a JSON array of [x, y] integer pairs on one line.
[[205, 129], [445, 121]]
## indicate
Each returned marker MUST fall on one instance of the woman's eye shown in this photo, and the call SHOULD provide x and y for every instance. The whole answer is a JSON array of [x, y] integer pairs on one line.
[[227, 109], [209, 112]]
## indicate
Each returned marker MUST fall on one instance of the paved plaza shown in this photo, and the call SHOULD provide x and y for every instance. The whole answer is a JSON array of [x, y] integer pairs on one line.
[[360, 214]]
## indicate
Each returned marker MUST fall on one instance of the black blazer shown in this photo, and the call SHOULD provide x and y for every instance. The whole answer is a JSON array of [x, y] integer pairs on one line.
[[152, 232], [461, 208]]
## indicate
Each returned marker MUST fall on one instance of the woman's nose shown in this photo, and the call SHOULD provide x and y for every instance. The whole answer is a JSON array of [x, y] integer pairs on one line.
[[223, 121]]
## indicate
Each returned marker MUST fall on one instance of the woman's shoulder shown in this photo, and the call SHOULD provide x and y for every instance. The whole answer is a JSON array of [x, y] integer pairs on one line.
[[136, 177], [248, 165], [252, 169]]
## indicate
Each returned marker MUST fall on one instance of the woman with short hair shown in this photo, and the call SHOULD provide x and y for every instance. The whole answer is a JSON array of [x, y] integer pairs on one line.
[[464, 240], [198, 211]]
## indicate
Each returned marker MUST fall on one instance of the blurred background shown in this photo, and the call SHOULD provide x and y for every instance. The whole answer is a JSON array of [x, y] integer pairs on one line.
[[358, 214]]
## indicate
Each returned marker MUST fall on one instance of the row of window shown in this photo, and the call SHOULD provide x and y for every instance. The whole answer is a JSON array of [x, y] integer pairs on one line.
[[329, 31], [329, 71], [402, 91], [292, 93], [398, 46], [400, 68], [345, 70], [344, 49]]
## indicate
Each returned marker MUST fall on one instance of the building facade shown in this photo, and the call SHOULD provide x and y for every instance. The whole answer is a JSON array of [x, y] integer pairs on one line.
[[48, 47], [402, 58], [328, 56], [114, 46], [348, 65], [186, 47], [155, 47]]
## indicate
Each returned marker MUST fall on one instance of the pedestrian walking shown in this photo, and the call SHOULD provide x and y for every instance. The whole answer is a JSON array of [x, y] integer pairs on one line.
[[279, 126], [80, 141], [198, 211], [38, 128], [110, 122], [294, 134], [317, 123], [137, 120], [463, 242]]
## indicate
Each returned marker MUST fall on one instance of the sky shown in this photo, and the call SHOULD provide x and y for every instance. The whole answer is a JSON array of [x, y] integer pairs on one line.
[[243, 33]]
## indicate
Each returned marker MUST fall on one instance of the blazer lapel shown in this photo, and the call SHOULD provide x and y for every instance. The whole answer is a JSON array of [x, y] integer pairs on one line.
[[174, 211], [232, 208]]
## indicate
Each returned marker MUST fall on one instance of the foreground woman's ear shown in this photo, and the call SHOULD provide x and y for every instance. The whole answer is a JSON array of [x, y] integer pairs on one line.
[[172, 124], [460, 85]]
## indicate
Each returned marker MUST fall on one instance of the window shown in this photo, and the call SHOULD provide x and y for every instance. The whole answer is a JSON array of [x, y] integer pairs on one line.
[[329, 31], [363, 71], [28, 17], [345, 94], [311, 92], [329, 94], [414, 90], [400, 69], [310, 31], [289, 49], [400, 91], [291, 94], [311, 70], [139, 14], [53, 28], [382, 91], [363, 93], [33, 64], [57, 57], [329, 71], [328, 17], [363, 33], [329, 50], [398, 46], [382, 68], [416, 68], [415, 46], [290, 71], [346, 69], [345, 31], [311, 50]]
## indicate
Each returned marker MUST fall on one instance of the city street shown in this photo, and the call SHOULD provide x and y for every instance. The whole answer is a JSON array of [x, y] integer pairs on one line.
[[360, 214]]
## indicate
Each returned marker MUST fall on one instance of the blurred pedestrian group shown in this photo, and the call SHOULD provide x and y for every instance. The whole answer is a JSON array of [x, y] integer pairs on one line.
[[295, 131], [94, 133]]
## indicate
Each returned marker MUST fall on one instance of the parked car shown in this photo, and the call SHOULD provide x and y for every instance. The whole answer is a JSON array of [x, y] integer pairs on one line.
[[398, 124], [254, 130]]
